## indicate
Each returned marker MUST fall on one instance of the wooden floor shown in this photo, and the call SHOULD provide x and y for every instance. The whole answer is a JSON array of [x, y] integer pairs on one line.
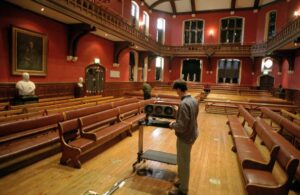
[[214, 168]]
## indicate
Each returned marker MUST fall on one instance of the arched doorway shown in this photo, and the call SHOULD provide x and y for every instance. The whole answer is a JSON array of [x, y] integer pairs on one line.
[[94, 79], [266, 82], [191, 70]]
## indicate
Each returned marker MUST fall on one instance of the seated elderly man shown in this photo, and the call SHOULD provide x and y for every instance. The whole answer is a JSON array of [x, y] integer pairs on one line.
[[25, 86]]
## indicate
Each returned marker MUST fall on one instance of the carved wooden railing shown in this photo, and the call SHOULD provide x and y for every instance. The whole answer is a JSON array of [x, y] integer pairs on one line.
[[221, 50], [287, 35], [88, 12]]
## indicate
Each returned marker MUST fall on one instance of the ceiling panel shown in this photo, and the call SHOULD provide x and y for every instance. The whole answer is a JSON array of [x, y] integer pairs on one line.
[[149, 2], [30, 5], [165, 6], [244, 4], [202, 5], [264, 2], [183, 6]]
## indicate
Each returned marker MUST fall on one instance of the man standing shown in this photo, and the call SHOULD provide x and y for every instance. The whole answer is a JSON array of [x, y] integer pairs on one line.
[[147, 91], [186, 130]]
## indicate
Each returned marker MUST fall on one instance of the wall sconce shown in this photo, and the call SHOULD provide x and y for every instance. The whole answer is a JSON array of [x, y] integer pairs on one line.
[[252, 73], [296, 13], [290, 72], [211, 33], [72, 58], [96, 61], [279, 73]]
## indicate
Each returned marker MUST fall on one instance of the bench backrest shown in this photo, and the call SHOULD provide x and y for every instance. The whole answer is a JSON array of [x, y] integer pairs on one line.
[[99, 119], [124, 102], [288, 156], [247, 116], [290, 127], [265, 132], [271, 114], [17, 126], [71, 114], [128, 110]]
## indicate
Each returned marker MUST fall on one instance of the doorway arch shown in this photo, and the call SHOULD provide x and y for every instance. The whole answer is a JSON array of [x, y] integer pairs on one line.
[[266, 82], [94, 79]]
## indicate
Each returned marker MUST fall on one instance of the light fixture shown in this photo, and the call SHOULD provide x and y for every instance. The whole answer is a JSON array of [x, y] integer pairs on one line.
[[255, 10], [174, 16], [211, 32], [232, 12], [193, 15], [96, 61], [42, 9], [268, 63], [252, 73], [296, 13], [106, 34]]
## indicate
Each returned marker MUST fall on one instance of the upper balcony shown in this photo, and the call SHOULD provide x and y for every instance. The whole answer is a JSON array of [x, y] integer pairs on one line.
[[283, 40], [86, 11]]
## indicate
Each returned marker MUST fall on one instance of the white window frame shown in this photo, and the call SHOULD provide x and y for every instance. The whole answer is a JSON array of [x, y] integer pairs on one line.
[[159, 62], [163, 28], [243, 28]]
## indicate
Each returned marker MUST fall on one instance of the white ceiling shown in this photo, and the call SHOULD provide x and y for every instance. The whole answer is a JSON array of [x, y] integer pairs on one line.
[[185, 6]]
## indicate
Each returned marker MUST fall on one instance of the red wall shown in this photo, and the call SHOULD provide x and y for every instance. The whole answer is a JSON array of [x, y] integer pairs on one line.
[[59, 69], [291, 81], [211, 22]]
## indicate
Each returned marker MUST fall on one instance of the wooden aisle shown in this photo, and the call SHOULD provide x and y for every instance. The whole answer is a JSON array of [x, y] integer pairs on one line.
[[214, 168]]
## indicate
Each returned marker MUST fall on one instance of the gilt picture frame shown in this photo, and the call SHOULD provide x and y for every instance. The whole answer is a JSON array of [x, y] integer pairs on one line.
[[29, 52]]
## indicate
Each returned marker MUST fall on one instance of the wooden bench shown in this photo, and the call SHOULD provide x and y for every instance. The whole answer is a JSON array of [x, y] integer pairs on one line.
[[287, 128], [20, 139], [71, 114], [237, 128], [131, 114], [21, 116], [95, 130], [249, 156], [293, 117], [262, 181]]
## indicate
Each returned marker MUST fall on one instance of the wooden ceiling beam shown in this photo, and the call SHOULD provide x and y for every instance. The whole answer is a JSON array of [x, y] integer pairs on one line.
[[156, 3], [193, 6], [256, 4], [173, 7], [233, 4]]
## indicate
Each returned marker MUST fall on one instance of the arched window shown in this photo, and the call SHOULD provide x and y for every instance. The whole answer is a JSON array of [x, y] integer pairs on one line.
[[231, 30], [193, 32], [145, 25], [160, 27], [159, 69], [271, 24], [229, 71], [135, 11]]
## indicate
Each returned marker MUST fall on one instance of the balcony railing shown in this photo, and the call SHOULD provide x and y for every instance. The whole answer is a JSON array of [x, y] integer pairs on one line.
[[288, 34], [90, 13]]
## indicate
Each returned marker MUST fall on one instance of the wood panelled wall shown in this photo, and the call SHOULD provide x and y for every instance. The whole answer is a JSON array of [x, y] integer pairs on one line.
[[43, 90]]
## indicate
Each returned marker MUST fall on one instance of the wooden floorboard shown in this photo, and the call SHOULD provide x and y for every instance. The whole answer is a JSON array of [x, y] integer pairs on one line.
[[214, 168]]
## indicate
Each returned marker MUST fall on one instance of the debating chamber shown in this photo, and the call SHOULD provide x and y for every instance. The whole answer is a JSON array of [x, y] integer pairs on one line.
[[150, 97]]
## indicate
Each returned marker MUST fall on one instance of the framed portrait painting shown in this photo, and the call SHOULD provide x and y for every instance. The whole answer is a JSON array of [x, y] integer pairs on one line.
[[29, 52]]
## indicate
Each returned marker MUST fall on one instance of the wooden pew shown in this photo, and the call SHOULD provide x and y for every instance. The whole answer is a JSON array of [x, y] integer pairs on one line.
[[249, 155], [21, 116], [262, 181], [293, 117], [131, 114], [19, 140], [95, 130], [55, 98], [287, 128]]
